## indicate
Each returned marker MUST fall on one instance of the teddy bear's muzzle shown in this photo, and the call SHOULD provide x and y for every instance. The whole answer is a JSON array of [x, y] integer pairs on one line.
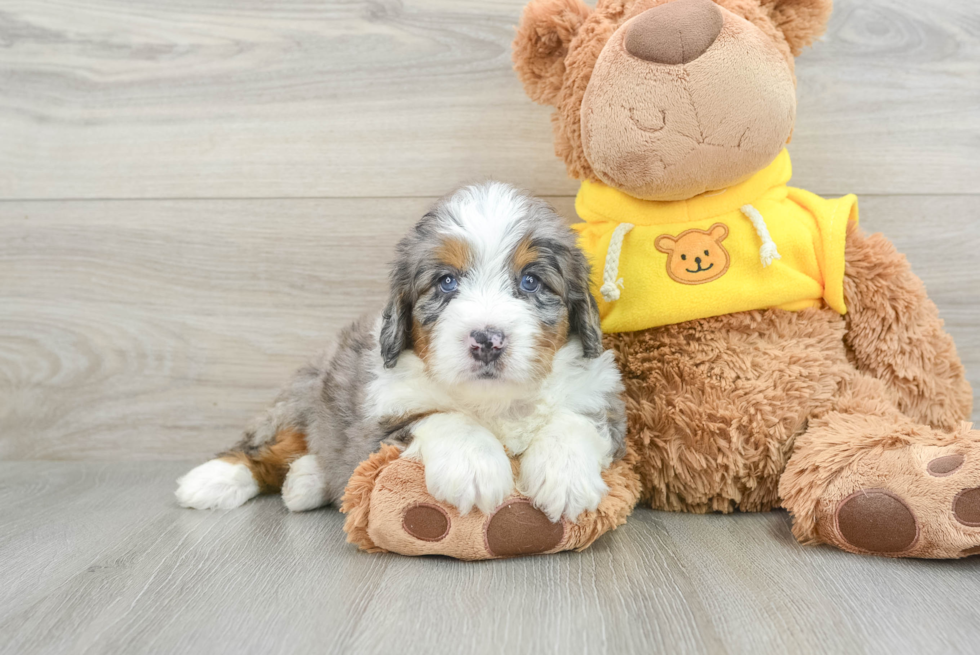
[[675, 33]]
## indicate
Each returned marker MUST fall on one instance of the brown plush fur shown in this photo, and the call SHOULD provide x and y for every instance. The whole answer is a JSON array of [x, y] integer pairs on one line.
[[715, 405], [356, 502], [547, 27], [894, 333]]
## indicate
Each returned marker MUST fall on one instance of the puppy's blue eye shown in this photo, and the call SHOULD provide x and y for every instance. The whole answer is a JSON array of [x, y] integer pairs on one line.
[[448, 284], [530, 283]]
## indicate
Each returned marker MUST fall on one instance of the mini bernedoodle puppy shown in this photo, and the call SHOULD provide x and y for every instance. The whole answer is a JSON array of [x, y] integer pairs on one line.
[[489, 346]]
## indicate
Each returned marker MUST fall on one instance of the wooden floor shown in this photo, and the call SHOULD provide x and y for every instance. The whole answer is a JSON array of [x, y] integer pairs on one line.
[[97, 559], [194, 195]]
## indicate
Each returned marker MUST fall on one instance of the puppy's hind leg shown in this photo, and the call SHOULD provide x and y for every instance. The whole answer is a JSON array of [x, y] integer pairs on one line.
[[236, 476], [305, 487], [216, 484], [259, 462]]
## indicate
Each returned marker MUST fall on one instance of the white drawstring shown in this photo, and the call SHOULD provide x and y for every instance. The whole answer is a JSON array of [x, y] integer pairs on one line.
[[768, 251], [610, 283]]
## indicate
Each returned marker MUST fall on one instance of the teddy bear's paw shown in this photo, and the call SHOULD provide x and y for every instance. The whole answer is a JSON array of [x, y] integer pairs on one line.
[[918, 501]]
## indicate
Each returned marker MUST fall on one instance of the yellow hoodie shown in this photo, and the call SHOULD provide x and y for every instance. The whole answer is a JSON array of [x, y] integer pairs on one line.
[[756, 245]]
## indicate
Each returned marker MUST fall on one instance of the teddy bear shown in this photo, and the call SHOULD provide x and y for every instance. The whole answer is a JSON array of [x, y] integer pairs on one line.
[[774, 354]]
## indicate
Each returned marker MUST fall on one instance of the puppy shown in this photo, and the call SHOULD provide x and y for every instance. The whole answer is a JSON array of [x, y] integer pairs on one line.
[[489, 347]]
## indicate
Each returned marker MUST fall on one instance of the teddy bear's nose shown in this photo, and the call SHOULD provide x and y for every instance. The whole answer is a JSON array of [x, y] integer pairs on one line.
[[675, 33]]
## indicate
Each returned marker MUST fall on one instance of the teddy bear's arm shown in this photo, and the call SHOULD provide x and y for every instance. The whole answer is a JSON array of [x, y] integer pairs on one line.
[[894, 334]]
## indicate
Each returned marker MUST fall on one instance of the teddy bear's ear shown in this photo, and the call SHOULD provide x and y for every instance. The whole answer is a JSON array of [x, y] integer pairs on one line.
[[801, 21], [665, 243], [546, 29]]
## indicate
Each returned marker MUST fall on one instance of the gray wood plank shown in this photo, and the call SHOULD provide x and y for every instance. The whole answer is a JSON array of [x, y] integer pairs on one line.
[[98, 559], [224, 98], [156, 329]]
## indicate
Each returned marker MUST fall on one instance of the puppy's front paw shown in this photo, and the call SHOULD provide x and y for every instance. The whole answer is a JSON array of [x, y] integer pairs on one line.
[[467, 476], [561, 482]]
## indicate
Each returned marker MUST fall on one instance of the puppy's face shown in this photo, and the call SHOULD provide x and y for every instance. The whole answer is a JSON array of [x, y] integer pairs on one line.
[[488, 286]]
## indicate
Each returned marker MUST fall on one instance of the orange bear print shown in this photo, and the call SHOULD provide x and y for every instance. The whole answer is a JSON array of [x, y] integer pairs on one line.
[[695, 256]]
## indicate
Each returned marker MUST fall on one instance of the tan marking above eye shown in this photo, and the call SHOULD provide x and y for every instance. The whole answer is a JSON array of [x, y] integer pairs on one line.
[[524, 254], [454, 252]]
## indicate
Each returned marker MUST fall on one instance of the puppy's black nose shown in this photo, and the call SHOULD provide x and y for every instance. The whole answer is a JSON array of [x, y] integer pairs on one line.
[[487, 345]]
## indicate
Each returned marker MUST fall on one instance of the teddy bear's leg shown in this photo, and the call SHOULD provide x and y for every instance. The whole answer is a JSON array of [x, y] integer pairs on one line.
[[868, 479], [894, 334], [389, 509]]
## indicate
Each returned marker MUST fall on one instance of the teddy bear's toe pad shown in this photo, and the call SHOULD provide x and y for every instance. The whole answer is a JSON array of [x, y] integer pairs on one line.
[[966, 507], [943, 466], [877, 521], [519, 528], [426, 522]]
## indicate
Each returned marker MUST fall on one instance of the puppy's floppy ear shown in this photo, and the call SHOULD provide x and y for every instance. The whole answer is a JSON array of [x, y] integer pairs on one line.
[[583, 312], [546, 29], [396, 320], [801, 21]]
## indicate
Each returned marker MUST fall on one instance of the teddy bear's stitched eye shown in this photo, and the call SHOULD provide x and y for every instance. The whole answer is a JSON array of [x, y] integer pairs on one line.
[[705, 253], [684, 257]]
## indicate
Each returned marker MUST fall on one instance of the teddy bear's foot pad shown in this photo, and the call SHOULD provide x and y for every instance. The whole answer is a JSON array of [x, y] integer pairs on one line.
[[519, 528], [877, 521], [966, 507], [426, 522], [918, 501]]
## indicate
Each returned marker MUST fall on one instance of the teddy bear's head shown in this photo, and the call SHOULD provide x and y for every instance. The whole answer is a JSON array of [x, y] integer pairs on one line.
[[667, 99]]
